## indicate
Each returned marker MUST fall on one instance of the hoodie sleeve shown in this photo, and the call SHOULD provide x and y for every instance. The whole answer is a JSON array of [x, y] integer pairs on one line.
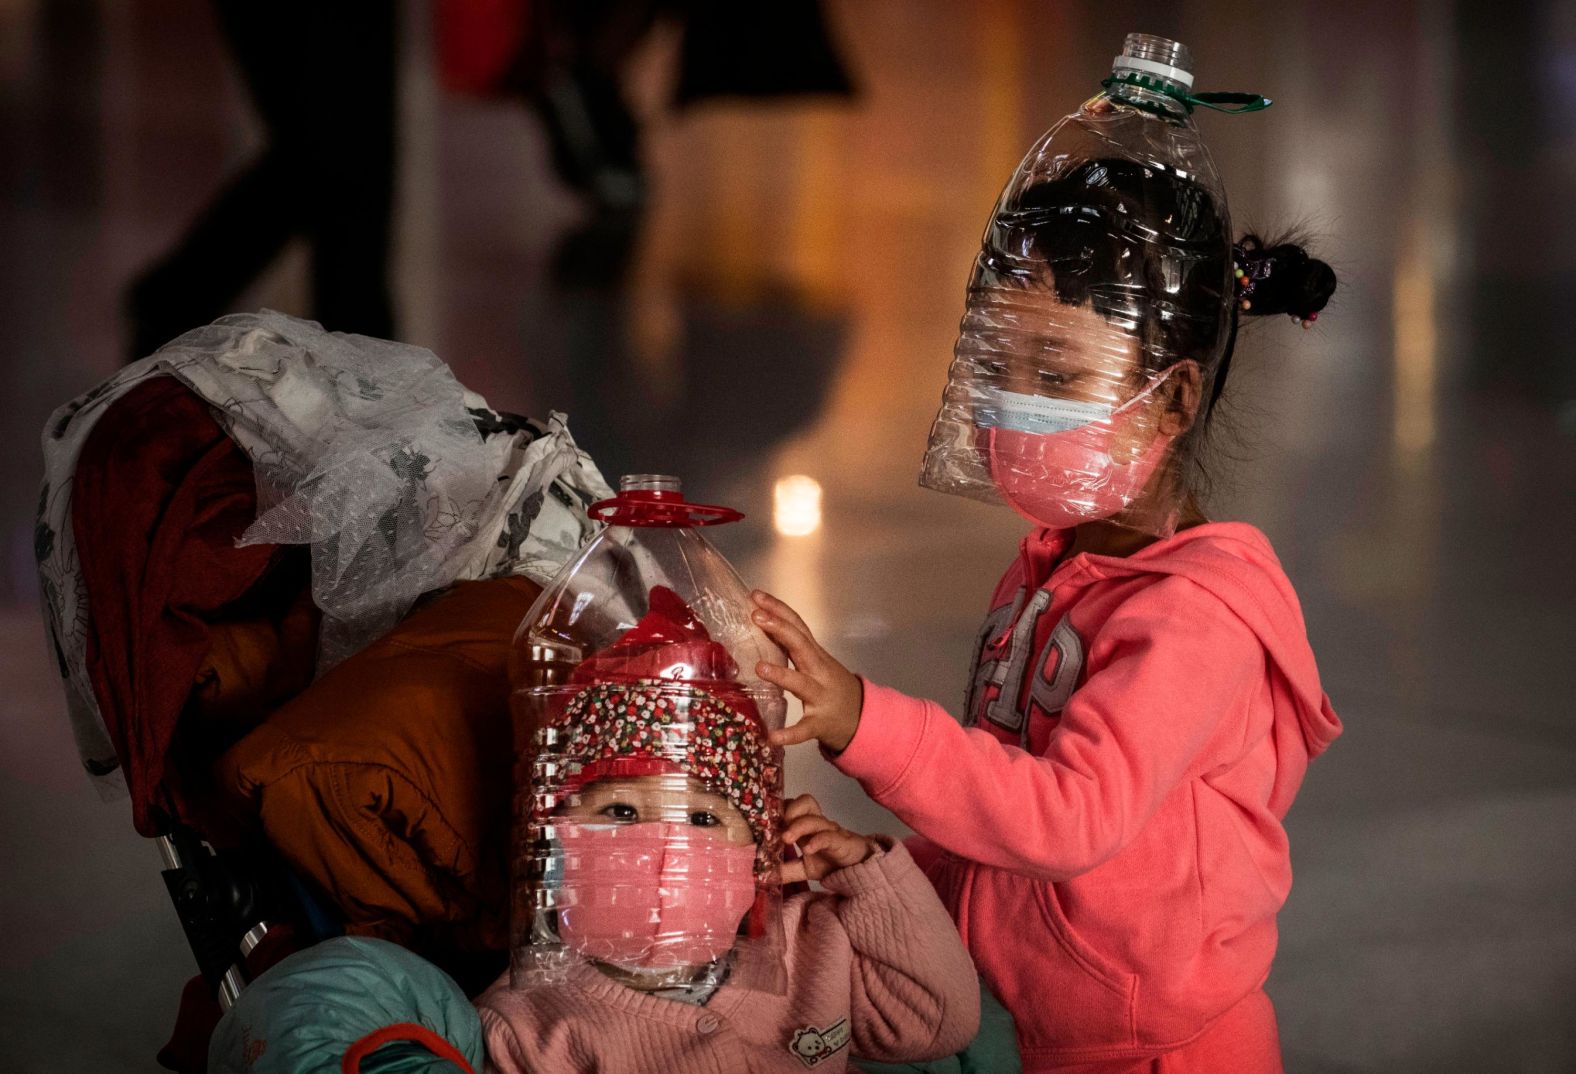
[[1165, 670], [914, 993]]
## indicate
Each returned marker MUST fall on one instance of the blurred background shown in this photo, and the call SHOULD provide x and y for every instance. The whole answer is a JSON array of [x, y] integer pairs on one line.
[[747, 289]]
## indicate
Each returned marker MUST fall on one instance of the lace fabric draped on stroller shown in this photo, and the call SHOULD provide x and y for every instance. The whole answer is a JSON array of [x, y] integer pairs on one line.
[[232, 535]]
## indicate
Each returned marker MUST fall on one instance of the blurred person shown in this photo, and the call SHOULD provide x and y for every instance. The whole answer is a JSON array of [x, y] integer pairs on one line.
[[322, 79], [569, 60]]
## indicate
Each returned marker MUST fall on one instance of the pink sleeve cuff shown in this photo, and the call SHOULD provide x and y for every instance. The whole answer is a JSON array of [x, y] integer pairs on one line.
[[891, 727]]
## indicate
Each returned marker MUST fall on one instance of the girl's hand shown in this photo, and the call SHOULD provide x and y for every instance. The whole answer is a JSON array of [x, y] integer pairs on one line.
[[832, 694], [824, 845]]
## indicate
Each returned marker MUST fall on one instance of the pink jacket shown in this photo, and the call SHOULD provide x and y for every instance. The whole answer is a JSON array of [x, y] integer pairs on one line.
[[1108, 817], [874, 968]]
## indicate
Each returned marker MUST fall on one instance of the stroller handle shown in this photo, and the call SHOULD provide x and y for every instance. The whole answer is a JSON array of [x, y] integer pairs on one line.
[[218, 906]]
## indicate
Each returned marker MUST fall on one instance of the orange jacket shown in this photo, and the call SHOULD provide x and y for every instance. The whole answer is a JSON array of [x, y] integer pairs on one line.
[[387, 783]]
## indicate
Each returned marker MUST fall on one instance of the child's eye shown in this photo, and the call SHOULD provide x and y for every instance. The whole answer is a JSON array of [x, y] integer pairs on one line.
[[621, 811], [703, 819], [1048, 376]]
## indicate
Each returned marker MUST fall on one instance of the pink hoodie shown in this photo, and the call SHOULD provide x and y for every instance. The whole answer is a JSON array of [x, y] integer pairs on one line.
[[874, 969], [1109, 821]]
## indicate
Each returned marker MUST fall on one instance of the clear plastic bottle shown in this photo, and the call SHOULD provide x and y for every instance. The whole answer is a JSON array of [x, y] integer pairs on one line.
[[1105, 265], [647, 802]]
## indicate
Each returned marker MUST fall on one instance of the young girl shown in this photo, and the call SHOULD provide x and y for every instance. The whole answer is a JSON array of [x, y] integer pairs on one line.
[[1104, 824], [655, 881]]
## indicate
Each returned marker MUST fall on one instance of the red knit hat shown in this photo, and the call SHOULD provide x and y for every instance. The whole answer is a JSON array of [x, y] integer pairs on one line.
[[663, 699], [651, 726]]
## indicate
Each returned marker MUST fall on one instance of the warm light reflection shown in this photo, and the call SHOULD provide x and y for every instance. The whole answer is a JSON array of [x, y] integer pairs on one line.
[[1415, 351], [796, 505]]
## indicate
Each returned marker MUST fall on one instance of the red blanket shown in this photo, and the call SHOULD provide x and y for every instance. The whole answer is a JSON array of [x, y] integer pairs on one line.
[[160, 496]]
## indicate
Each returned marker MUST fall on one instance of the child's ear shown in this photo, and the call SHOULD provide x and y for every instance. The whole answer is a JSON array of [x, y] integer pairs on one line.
[[1182, 391]]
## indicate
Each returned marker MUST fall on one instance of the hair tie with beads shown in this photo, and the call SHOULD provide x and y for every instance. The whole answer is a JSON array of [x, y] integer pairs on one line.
[[1252, 265]]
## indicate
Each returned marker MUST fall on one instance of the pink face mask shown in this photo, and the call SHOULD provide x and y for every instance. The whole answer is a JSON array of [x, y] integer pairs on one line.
[[1060, 479], [652, 895]]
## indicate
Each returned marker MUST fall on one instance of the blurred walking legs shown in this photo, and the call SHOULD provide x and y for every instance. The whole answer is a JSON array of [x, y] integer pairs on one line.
[[321, 74]]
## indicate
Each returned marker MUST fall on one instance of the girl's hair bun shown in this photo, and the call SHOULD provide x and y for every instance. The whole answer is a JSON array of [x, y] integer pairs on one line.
[[1281, 278]]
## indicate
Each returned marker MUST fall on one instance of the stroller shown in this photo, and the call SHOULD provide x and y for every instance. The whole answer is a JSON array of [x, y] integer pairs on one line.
[[252, 546]]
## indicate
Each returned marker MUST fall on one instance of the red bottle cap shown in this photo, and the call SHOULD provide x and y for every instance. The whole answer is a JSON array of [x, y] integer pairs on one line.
[[657, 500]]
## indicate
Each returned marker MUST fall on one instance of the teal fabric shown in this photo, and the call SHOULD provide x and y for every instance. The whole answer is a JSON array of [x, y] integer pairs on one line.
[[993, 1051], [408, 1057], [303, 1014]]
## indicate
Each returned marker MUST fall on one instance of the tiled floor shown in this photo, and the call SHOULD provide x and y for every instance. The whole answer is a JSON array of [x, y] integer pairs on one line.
[[788, 307]]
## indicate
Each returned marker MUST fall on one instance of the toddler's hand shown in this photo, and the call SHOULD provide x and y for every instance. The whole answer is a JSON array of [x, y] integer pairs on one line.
[[824, 845], [832, 694]]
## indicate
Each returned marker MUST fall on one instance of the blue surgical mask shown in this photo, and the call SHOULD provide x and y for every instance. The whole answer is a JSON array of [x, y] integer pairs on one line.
[[1023, 413]]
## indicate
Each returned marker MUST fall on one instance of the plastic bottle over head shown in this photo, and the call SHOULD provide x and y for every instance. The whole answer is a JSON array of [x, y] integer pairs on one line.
[[1105, 268], [648, 800]]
